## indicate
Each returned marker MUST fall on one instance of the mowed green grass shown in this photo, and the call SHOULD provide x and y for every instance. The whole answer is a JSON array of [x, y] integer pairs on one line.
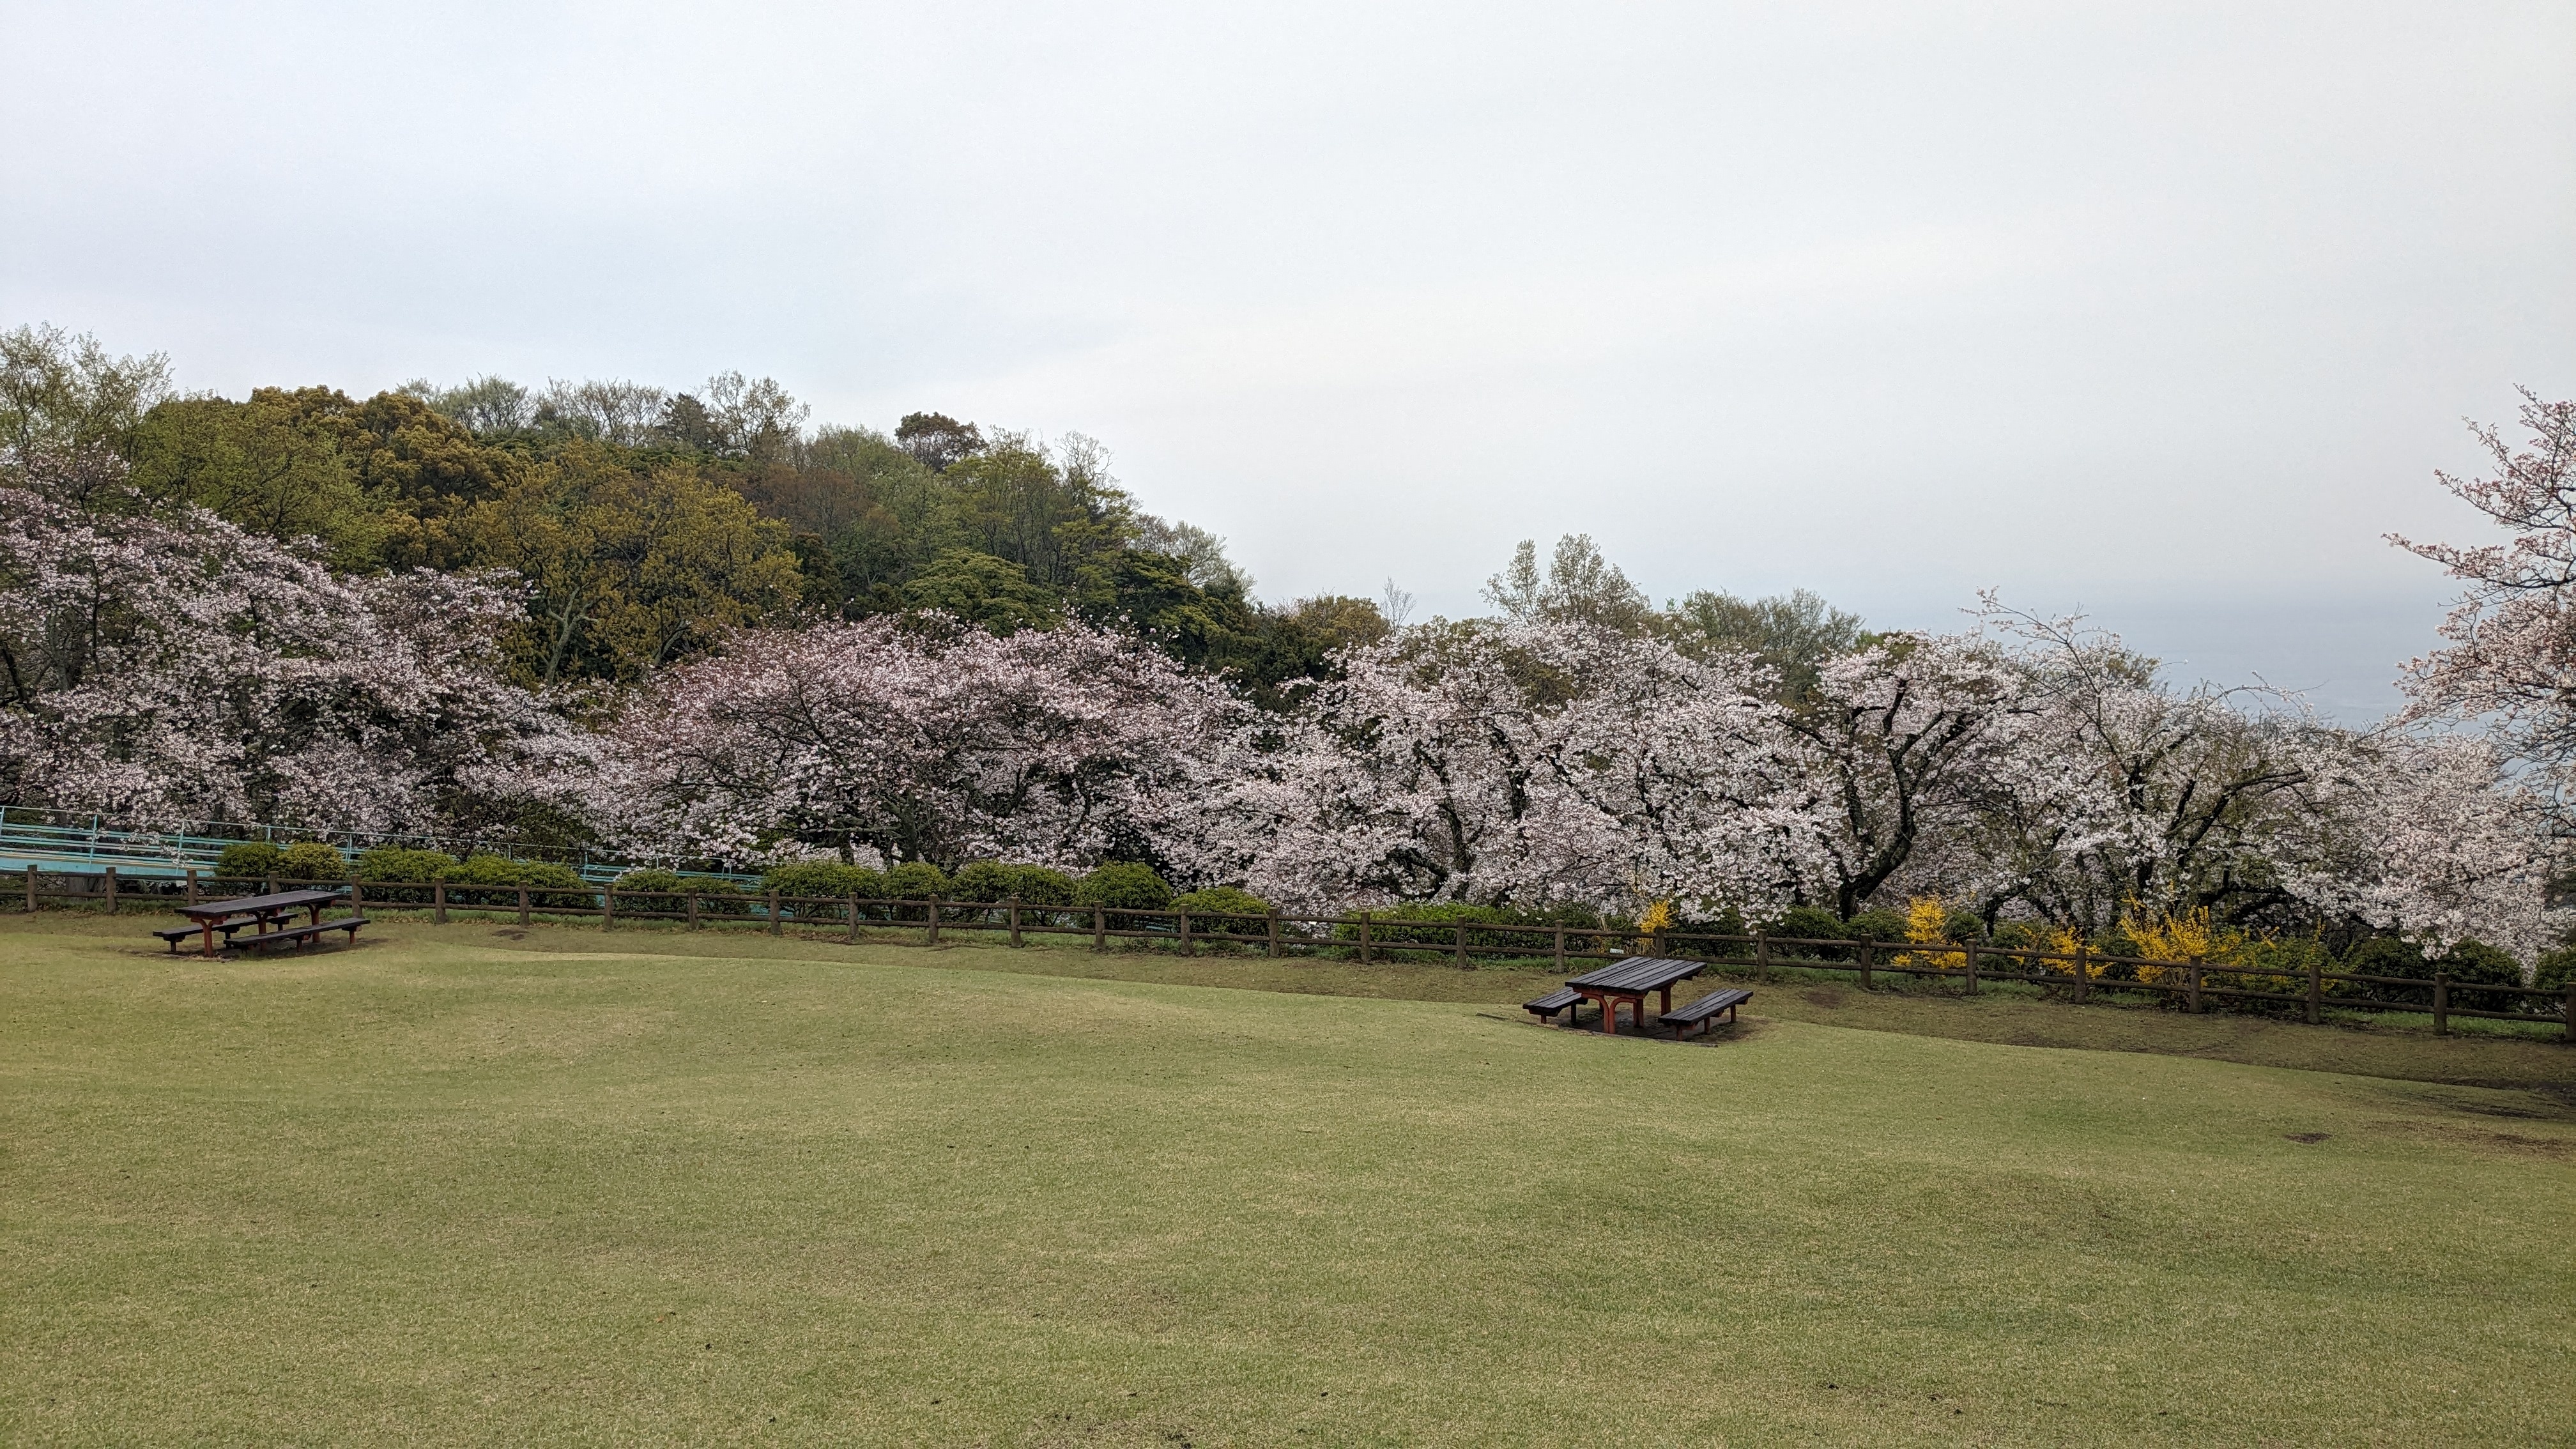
[[459, 1186]]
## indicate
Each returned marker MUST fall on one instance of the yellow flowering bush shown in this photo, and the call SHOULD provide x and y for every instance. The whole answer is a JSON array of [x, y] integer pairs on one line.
[[1657, 920], [1927, 923]]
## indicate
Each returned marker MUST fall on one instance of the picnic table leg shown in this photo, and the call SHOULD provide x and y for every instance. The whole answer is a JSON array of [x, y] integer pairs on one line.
[[207, 928], [1668, 1000], [1610, 1015]]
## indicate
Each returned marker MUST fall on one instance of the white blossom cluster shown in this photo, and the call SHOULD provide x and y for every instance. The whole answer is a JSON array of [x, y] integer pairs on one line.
[[166, 667]]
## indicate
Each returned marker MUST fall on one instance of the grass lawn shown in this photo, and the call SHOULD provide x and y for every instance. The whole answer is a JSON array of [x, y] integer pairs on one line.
[[473, 1184]]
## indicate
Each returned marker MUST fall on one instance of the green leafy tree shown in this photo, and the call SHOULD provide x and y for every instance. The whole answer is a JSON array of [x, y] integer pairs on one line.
[[627, 573], [993, 593], [63, 393], [1794, 633]]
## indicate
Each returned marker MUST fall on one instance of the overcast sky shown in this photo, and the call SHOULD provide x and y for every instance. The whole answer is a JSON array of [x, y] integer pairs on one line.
[[2167, 311]]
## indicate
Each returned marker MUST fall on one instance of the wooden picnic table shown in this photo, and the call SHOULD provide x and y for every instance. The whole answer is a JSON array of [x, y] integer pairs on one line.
[[263, 909], [1630, 981]]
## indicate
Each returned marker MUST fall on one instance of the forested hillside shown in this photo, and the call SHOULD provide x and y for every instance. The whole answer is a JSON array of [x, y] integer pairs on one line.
[[693, 626]]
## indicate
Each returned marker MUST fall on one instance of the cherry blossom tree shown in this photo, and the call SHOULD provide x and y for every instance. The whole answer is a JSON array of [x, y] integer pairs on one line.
[[1901, 744], [169, 666], [1530, 763], [2425, 838], [925, 740], [2510, 654]]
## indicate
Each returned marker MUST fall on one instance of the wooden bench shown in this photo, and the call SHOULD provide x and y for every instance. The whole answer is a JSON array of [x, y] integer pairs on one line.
[[177, 934], [301, 934], [1546, 1007], [1705, 1010]]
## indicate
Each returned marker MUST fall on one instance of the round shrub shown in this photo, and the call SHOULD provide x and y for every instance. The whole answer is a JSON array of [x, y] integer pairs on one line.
[[1880, 925], [1124, 885], [249, 860], [1036, 885], [983, 880], [1224, 901], [1813, 923], [397, 865], [496, 873], [665, 885], [2475, 963], [2552, 975], [2389, 956], [917, 880], [312, 860]]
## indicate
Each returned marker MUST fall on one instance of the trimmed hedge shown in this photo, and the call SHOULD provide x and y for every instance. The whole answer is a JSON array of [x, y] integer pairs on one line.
[[1124, 886]]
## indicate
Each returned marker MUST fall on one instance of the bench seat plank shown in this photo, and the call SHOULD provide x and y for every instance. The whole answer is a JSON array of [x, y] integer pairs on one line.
[[1549, 1005], [1705, 1009], [301, 934]]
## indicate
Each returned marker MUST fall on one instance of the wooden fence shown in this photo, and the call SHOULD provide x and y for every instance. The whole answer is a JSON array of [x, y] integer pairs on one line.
[[2077, 975]]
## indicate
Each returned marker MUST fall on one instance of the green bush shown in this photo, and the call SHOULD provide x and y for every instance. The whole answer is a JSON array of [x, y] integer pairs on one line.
[[1813, 923], [2554, 970], [481, 878], [982, 880], [2388, 956], [1036, 885], [1884, 925], [249, 860], [1435, 923], [1224, 901], [917, 880], [1123, 886], [394, 863], [2475, 963], [824, 880], [312, 860], [669, 893]]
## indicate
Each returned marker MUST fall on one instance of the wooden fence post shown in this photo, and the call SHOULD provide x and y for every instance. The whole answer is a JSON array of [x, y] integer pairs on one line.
[[31, 888], [2441, 1003], [1868, 948], [693, 910], [934, 922], [1560, 948], [1761, 956], [438, 901], [1972, 968], [111, 890], [2316, 989], [1364, 938], [272, 885], [192, 885], [1015, 922], [1274, 933], [1184, 918], [357, 896], [1458, 944], [854, 918], [1099, 928], [2083, 977], [2570, 1009], [2195, 985], [523, 905], [775, 926], [607, 907]]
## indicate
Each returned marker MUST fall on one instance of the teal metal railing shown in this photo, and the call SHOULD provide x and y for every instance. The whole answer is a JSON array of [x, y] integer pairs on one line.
[[89, 845]]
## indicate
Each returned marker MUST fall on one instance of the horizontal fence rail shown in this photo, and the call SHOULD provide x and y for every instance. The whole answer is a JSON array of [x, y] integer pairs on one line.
[[58, 841], [1366, 938]]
